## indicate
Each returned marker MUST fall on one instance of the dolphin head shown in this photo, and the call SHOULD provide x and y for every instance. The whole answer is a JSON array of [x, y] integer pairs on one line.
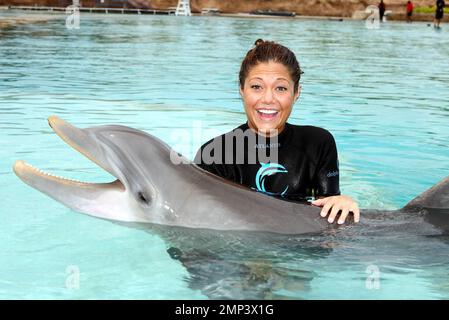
[[139, 162]]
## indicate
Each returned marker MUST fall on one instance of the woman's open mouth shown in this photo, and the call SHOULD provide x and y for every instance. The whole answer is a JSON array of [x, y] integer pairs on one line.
[[267, 114]]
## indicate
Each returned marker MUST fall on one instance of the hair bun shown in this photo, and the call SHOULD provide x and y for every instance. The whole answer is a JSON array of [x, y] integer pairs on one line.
[[259, 42]]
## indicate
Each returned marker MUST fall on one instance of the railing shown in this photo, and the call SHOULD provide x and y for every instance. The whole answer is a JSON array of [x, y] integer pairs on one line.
[[98, 10]]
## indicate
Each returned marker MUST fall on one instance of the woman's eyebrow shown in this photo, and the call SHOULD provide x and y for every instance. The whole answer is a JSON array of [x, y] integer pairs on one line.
[[262, 79]]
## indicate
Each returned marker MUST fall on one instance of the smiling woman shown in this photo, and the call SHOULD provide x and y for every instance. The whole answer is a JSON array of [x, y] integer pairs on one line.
[[302, 160], [274, 66]]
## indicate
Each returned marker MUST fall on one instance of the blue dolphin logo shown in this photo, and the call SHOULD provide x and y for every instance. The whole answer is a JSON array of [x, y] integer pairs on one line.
[[268, 169]]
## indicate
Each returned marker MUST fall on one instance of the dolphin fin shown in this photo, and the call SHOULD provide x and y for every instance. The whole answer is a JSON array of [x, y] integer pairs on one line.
[[436, 197]]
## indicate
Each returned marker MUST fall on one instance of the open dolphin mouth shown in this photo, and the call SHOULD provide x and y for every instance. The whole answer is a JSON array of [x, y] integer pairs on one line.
[[80, 141], [22, 169], [26, 172]]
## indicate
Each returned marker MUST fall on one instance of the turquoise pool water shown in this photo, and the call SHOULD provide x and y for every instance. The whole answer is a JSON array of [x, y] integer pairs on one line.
[[384, 94]]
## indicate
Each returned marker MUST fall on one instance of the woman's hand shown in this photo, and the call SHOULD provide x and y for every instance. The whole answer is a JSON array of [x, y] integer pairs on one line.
[[337, 203]]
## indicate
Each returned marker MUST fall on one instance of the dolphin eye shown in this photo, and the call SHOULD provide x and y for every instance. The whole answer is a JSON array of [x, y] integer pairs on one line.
[[143, 198]]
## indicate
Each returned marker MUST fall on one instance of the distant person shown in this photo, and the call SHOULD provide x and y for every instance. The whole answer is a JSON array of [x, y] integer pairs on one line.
[[439, 13], [381, 7], [409, 11]]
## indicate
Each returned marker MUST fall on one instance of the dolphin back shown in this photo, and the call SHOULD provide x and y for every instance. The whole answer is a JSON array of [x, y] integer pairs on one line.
[[437, 197]]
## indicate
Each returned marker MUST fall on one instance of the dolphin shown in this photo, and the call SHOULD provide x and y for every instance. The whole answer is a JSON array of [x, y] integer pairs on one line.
[[150, 188]]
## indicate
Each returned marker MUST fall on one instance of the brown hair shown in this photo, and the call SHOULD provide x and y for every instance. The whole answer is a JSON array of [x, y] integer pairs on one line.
[[266, 51]]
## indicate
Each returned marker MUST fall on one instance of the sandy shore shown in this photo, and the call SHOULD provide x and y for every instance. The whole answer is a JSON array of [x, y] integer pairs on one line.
[[8, 22]]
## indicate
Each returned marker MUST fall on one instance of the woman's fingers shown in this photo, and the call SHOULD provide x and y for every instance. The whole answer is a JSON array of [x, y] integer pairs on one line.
[[326, 208], [335, 209], [356, 212], [319, 202], [343, 216], [333, 205]]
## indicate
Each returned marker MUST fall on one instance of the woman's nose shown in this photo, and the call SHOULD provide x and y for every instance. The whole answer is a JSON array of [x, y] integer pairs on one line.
[[267, 97]]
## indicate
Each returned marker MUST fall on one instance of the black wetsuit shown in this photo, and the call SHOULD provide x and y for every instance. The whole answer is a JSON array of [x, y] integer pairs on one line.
[[306, 166]]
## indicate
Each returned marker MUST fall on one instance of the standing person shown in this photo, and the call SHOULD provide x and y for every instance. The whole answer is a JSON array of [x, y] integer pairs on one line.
[[439, 13], [409, 11], [381, 10], [306, 163]]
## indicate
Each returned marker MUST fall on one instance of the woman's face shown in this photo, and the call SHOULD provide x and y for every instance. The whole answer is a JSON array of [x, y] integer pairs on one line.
[[268, 96]]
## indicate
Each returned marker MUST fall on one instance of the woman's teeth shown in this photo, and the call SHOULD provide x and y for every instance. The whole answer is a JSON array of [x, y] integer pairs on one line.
[[266, 111]]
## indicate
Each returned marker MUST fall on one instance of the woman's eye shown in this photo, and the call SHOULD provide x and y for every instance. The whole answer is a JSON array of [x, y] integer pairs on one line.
[[282, 88], [255, 86]]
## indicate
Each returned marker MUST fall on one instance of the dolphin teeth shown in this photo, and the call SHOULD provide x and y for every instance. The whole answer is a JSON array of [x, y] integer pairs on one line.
[[55, 176]]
